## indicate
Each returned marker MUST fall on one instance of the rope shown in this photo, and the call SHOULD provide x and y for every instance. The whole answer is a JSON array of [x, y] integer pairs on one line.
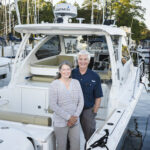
[[101, 142]]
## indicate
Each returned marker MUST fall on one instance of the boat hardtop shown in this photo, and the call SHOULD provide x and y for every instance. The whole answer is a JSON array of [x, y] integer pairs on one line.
[[60, 28]]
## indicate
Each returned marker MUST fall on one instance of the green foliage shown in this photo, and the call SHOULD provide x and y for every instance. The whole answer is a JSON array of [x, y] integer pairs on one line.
[[87, 4], [127, 10], [62, 1], [87, 17], [86, 11], [76, 5], [147, 33], [138, 28], [45, 11]]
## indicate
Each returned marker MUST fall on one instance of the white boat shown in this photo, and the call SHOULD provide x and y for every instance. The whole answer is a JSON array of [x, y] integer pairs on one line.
[[10, 51], [144, 54], [25, 116]]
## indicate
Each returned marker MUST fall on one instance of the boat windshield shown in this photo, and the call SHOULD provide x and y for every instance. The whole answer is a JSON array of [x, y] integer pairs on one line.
[[49, 48], [73, 44]]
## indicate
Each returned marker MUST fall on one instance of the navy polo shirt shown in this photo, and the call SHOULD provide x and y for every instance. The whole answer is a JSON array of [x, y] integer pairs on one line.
[[91, 86]]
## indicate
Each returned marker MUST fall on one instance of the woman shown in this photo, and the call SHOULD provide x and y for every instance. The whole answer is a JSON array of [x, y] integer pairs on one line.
[[67, 103]]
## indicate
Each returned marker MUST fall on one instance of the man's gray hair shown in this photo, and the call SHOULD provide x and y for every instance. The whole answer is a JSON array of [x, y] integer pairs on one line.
[[84, 52]]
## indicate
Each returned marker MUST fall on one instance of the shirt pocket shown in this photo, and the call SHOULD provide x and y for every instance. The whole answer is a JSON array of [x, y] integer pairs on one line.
[[89, 87]]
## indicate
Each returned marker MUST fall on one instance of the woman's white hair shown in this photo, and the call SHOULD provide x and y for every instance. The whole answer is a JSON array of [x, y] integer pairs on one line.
[[84, 52]]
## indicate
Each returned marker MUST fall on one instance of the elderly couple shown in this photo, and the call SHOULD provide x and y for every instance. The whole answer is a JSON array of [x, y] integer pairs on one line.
[[75, 94]]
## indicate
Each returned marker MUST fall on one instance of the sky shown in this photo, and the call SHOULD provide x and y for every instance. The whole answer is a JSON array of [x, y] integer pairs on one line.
[[145, 4]]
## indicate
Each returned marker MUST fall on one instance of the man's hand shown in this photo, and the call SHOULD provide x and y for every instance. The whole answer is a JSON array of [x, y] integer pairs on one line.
[[97, 105], [95, 109], [72, 121]]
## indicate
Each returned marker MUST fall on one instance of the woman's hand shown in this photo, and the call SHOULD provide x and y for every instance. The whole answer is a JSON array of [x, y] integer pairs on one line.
[[72, 121]]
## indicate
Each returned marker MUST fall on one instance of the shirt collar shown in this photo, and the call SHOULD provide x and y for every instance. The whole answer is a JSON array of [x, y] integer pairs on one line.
[[82, 74]]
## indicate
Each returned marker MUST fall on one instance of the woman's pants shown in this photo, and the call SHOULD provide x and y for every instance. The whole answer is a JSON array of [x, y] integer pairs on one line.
[[73, 134]]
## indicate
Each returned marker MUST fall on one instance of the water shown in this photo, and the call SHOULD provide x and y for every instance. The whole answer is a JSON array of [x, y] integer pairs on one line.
[[138, 131]]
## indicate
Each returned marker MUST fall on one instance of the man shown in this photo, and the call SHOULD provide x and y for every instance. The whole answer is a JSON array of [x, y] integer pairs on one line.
[[92, 92]]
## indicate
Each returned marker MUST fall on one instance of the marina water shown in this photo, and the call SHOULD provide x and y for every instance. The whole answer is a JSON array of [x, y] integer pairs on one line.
[[138, 132]]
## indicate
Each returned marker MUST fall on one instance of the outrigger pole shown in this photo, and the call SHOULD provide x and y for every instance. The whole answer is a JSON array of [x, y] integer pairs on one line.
[[18, 14]]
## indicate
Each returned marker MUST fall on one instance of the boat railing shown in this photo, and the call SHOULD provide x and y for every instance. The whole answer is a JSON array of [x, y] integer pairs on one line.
[[138, 76]]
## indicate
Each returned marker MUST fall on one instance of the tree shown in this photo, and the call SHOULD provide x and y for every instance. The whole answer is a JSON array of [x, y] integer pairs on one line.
[[147, 34], [62, 1], [138, 30], [128, 13], [87, 4], [87, 9], [45, 11], [76, 5], [127, 10]]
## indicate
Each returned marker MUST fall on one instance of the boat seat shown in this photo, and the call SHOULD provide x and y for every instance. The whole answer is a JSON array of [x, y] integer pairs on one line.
[[42, 78], [105, 76], [25, 118], [50, 66]]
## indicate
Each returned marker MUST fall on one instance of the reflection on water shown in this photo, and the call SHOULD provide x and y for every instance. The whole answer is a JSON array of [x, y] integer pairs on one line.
[[138, 132]]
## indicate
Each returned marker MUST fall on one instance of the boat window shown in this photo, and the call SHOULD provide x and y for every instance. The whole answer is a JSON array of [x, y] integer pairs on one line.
[[93, 43], [125, 54], [49, 48], [70, 43], [145, 44], [100, 61], [115, 42], [97, 43]]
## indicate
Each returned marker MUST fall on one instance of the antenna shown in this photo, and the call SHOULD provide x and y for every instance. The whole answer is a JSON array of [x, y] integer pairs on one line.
[[80, 20], [63, 12]]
